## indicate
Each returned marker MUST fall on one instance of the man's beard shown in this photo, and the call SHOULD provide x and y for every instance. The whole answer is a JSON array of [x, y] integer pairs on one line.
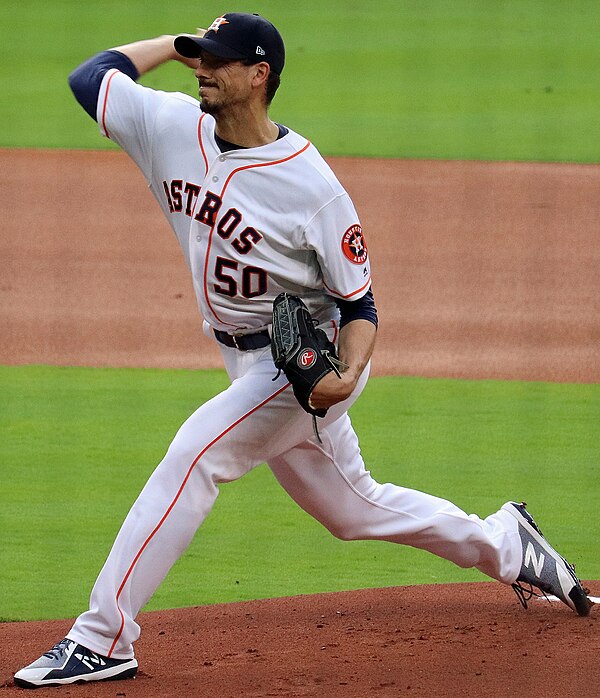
[[208, 108]]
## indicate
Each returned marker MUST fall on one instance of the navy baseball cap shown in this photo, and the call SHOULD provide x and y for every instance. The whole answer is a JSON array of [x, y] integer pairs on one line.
[[237, 36]]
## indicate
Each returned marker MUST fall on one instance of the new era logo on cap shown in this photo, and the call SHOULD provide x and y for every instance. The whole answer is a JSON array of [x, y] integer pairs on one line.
[[260, 51]]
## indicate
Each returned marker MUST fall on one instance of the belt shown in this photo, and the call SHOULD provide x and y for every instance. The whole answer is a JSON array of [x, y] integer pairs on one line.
[[244, 342]]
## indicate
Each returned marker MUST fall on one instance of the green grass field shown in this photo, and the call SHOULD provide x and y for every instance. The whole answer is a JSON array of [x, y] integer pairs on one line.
[[79, 443], [509, 80]]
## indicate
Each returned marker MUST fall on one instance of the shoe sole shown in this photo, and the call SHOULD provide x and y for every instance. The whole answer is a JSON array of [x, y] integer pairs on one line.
[[127, 673], [578, 600]]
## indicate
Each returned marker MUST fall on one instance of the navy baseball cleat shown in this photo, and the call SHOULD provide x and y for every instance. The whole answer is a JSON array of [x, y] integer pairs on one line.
[[542, 567], [68, 662]]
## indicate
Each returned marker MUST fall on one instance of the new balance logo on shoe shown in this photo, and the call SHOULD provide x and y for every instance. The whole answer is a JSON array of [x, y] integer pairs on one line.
[[530, 558], [90, 660]]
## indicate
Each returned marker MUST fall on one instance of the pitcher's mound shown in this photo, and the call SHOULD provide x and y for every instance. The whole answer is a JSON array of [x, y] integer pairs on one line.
[[439, 640]]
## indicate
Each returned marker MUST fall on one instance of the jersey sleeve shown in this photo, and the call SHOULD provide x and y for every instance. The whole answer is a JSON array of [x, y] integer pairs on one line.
[[336, 236], [126, 113], [86, 79]]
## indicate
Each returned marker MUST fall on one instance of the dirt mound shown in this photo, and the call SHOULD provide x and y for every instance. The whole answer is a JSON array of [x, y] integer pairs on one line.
[[468, 640]]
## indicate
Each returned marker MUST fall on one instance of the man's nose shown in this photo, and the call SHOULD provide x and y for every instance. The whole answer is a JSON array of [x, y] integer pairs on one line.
[[202, 70]]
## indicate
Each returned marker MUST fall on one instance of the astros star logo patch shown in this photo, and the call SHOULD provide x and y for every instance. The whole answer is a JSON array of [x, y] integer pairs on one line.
[[354, 246]]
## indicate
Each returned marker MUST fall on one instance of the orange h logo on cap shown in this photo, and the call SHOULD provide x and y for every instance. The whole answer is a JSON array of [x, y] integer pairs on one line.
[[214, 27]]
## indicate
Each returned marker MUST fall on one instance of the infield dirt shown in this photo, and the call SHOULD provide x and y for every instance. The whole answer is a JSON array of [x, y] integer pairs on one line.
[[481, 271]]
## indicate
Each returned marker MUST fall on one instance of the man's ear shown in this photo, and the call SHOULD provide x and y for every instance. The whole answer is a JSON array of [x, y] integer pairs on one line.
[[261, 73]]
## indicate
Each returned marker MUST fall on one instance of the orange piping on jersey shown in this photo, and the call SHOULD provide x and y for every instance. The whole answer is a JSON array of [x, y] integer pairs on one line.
[[202, 144], [264, 164], [205, 161], [210, 235], [170, 507], [335, 331], [105, 105], [358, 290]]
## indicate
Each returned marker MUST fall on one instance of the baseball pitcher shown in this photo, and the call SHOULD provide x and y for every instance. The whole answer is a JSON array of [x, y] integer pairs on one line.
[[282, 276]]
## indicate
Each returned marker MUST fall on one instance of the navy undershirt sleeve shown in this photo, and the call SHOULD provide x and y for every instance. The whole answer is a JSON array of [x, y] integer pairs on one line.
[[362, 309], [86, 79]]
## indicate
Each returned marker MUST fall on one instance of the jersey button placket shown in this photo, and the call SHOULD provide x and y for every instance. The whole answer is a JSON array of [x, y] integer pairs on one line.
[[217, 170]]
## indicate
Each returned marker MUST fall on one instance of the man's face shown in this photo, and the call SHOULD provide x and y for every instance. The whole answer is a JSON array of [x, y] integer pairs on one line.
[[223, 83]]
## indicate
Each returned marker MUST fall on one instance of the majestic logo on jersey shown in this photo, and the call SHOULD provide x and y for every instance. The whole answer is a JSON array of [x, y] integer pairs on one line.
[[307, 358], [354, 246], [217, 24]]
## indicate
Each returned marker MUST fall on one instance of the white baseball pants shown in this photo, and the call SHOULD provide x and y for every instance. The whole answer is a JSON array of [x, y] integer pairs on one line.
[[258, 420]]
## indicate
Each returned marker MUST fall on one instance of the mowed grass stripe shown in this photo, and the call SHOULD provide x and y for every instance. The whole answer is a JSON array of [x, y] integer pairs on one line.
[[79, 443], [515, 80]]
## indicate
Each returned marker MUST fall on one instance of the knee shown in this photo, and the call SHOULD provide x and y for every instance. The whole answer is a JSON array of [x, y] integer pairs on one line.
[[343, 528]]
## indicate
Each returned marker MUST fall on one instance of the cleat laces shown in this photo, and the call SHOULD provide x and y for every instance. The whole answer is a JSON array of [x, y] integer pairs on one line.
[[525, 594], [58, 650]]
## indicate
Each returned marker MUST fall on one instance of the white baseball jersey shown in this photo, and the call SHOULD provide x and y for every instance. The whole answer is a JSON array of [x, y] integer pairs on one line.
[[251, 222]]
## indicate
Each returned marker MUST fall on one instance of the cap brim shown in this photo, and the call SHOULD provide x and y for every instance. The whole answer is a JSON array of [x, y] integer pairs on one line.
[[190, 47]]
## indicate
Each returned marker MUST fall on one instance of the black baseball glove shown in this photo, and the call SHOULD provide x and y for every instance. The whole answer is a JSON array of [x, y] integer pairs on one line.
[[301, 350]]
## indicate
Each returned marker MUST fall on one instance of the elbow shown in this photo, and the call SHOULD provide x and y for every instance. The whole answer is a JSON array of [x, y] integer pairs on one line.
[[75, 81], [78, 85], [85, 90]]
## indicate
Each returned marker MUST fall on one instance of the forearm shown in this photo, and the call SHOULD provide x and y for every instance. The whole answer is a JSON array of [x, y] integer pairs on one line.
[[356, 344], [150, 53], [132, 59], [355, 347]]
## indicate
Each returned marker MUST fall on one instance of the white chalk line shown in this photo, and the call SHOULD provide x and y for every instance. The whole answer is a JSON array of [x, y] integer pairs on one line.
[[593, 599]]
